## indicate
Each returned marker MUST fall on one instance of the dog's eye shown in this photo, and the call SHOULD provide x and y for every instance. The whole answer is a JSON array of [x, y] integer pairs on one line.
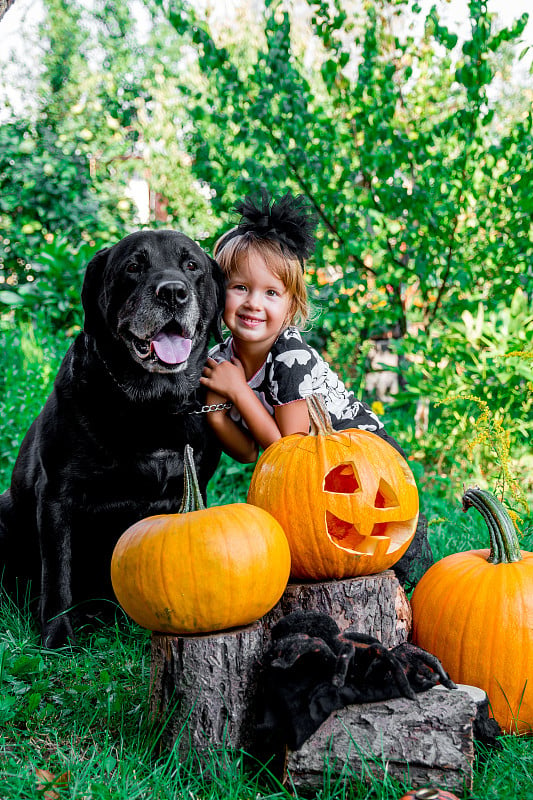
[[132, 267], [190, 264]]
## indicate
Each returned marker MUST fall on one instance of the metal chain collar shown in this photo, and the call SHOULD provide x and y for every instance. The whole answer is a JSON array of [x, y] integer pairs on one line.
[[213, 407]]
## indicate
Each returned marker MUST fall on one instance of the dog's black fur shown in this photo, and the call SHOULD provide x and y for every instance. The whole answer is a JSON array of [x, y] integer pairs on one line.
[[107, 448]]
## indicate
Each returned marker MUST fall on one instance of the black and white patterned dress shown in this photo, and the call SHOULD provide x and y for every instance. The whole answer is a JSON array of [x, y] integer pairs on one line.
[[292, 370]]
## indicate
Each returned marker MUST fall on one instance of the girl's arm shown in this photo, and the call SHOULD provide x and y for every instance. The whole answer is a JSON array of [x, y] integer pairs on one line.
[[228, 379], [235, 442], [292, 418]]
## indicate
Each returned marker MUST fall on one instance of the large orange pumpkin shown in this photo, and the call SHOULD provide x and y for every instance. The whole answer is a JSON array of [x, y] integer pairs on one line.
[[474, 611], [200, 570], [347, 500]]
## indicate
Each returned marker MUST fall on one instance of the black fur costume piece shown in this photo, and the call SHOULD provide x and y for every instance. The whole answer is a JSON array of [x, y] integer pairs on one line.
[[417, 559], [311, 669], [289, 221]]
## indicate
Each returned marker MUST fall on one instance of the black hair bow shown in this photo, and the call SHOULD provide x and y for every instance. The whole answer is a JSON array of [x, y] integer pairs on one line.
[[290, 221]]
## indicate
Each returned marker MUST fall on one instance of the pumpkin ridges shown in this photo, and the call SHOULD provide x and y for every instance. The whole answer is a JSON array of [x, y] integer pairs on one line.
[[494, 645], [520, 635], [468, 607], [140, 564], [312, 554], [500, 686], [527, 668], [204, 604], [437, 603], [325, 563], [159, 552], [131, 546], [310, 558], [166, 566], [229, 563]]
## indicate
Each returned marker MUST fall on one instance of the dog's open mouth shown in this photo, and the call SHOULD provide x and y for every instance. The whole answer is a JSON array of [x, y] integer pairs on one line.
[[170, 346]]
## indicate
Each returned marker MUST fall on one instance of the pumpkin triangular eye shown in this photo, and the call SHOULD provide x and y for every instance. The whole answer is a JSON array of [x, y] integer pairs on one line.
[[342, 479], [385, 496]]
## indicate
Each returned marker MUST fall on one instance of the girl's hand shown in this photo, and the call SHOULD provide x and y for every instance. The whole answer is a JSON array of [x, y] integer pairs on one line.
[[226, 378]]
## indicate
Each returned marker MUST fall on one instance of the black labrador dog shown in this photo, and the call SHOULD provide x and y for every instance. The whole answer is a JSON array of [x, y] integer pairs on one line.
[[107, 448]]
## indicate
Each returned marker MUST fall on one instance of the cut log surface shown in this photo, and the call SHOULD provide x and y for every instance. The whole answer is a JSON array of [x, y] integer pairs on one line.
[[208, 684], [373, 604], [425, 741]]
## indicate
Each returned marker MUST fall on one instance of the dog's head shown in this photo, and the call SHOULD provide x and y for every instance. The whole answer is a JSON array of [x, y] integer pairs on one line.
[[151, 302]]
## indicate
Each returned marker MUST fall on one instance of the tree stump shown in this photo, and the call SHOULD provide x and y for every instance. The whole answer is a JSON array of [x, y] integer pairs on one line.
[[206, 686], [373, 604], [423, 741]]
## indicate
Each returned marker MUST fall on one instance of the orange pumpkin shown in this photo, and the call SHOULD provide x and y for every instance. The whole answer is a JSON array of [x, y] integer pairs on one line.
[[200, 570], [347, 500], [474, 611]]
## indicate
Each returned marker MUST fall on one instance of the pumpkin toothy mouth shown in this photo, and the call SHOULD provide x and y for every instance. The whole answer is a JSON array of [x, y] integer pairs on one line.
[[363, 537], [345, 535]]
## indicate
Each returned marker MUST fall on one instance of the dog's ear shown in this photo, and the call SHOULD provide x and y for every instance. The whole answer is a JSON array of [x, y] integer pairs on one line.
[[220, 291], [90, 293]]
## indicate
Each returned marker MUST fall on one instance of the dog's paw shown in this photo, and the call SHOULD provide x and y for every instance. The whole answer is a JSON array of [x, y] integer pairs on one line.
[[58, 632]]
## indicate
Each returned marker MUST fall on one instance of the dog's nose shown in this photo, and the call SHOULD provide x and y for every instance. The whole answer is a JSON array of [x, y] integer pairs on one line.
[[174, 293]]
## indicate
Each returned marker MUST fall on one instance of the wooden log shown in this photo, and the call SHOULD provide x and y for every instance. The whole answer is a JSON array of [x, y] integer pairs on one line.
[[205, 687], [424, 741], [372, 604]]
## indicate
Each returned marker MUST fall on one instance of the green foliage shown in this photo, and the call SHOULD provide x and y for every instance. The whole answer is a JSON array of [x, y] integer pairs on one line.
[[419, 187], [29, 359], [469, 358], [45, 191], [56, 272], [230, 482]]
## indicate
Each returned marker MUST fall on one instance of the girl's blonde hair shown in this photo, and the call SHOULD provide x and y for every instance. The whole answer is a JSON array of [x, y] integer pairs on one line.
[[286, 268]]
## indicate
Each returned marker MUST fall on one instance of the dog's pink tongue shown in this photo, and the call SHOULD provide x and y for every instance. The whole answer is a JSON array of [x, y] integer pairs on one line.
[[171, 348]]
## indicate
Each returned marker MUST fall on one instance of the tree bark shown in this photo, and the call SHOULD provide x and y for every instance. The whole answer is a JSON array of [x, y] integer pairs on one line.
[[373, 604], [206, 686], [423, 741]]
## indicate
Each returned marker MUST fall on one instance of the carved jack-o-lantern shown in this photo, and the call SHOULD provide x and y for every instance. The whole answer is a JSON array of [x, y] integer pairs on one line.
[[347, 500]]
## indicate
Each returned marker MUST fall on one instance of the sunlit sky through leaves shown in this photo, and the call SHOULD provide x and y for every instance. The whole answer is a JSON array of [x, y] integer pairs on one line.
[[16, 47]]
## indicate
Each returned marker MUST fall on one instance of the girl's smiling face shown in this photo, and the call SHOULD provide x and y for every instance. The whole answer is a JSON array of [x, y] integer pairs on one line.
[[258, 305]]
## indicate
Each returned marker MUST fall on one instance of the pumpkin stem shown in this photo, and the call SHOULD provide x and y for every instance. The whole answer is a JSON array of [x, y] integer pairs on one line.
[[192, 496], [318, 415], [504, 544]]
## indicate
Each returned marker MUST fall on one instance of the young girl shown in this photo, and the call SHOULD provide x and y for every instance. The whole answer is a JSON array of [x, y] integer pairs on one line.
[[261, 374]]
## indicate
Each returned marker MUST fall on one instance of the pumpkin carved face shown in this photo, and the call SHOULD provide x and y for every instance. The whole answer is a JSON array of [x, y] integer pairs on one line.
[[346, 500], [363, 510]]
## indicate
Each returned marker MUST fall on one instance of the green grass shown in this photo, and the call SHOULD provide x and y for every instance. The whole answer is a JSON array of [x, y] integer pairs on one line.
[[85, 710], [29, 360]]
